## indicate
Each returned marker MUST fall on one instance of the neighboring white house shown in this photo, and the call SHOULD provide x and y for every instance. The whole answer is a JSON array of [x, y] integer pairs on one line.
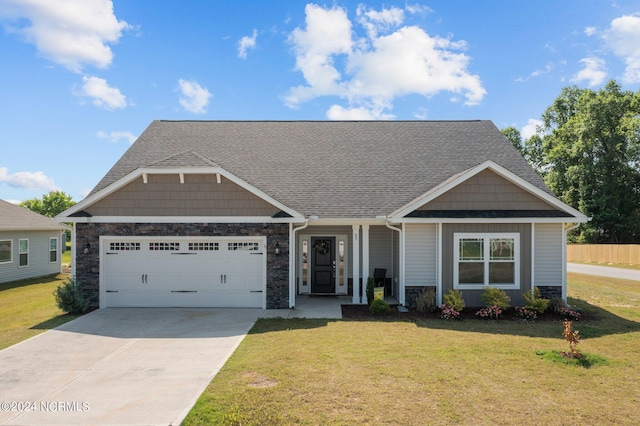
[[31, 245]]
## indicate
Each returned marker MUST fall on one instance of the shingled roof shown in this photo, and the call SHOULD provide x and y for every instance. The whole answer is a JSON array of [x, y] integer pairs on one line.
[[328, 168], [16, 218]]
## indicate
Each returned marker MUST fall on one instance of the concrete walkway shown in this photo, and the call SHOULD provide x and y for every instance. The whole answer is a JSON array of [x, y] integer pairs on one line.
[[604, 271], [119, 366]]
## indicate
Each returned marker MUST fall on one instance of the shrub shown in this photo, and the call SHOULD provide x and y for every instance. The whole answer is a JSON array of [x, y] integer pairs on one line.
[[525, 314], [490, 312], [557, 305], [70, 299], [379, 307], [449, 312], [534, 302], [570, 314], [495, 297], [426, 300], [453, 299], [370, 285]]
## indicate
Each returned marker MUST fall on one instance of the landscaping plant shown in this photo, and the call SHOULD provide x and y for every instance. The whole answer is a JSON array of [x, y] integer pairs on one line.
[[426, 300], [370, 285], [379, 307], [534, 302], [573, 338], [449, 312], [525, 314], [495, 297], [70, 299], [490, 312], [454, 299]]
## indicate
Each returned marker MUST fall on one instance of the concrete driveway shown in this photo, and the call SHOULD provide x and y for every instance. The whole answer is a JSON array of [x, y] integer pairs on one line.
[[119, 366]]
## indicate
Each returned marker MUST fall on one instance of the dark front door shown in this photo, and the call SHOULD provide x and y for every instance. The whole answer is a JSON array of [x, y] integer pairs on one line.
[[323, 264]]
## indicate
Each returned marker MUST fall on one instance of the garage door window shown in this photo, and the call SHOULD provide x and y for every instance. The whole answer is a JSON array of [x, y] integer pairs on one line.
[[164, 246], [243, 246], [204, 246], [124, 246]]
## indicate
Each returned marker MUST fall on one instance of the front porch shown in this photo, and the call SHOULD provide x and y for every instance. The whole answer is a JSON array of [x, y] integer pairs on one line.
[[336, 260], [329, 307]]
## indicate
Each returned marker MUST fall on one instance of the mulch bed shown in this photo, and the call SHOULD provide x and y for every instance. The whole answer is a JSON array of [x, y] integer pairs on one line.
[[361, 312]]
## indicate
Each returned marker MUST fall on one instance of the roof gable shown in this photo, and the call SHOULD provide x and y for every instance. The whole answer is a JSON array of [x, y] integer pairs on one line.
[[486, 190]]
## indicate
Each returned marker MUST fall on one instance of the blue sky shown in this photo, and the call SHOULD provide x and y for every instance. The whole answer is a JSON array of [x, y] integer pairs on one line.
[[81, 79]]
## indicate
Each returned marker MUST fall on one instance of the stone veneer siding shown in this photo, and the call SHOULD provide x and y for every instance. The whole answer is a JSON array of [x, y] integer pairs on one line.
[[88, 265], [550, 291]]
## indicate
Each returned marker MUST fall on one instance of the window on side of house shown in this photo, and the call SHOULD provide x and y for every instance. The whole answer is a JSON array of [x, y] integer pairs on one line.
[[6, 251], [486, 260], [23, 253], [53, 250]]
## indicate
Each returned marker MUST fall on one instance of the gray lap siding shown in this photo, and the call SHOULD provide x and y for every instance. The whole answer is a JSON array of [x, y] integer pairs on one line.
[[88, 265]]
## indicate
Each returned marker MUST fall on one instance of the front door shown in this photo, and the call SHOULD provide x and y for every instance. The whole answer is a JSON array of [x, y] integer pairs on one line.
[[323, 264]]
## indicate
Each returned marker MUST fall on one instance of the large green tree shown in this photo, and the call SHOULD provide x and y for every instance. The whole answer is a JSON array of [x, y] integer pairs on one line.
[[589, 155], [51, 204]]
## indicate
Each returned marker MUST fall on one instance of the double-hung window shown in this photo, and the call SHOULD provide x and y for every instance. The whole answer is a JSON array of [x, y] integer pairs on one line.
[[486, 260], [23, 253], [53, 250], [6, 251]]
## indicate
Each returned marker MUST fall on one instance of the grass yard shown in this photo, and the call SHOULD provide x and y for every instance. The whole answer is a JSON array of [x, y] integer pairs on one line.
[[310, 372], [27, 308]]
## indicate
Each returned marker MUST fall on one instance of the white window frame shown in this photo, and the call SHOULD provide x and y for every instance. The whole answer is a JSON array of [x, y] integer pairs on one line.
[[20, 252], [10, 251], [486, 237], [53, 250]]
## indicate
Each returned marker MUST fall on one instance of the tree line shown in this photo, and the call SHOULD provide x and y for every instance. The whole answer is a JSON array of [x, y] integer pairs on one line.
[[587, 151]]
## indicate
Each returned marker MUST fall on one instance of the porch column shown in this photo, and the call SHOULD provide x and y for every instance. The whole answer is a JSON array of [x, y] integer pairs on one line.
[[365, 262], [356, 264]]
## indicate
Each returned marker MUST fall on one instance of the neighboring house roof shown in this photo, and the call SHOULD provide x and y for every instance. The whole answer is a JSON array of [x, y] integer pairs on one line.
[[330, 169], [16, 218]]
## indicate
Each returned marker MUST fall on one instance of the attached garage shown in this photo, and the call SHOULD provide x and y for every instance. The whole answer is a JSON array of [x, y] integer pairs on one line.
[[183, 272]]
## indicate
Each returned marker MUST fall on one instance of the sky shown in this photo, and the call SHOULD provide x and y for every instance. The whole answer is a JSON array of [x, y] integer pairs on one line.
[[80, 80]]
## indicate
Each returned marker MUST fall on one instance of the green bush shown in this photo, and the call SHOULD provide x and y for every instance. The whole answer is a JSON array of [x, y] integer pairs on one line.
[[70, 299], [534, 302], [557, 305], [370, 285], [379, 307], [426, 300], [495, 297], [454, 299]]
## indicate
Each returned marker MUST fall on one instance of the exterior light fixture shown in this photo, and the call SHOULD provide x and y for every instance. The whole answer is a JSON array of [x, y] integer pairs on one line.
[[87, 248], [277, 249]]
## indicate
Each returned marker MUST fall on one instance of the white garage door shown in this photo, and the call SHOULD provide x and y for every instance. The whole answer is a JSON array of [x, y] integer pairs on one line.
[[183, 272]]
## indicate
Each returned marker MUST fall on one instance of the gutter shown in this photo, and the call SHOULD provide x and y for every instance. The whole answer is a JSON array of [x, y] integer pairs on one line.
[[292, 261]]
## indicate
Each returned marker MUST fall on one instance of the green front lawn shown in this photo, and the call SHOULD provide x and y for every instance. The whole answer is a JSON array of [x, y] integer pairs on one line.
[[27, 308], [435, 372]]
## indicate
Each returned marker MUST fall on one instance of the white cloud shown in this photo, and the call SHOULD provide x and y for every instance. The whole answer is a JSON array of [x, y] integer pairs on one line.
[[115, 137], [531, 128], [589, 31], [623, 37], [337, 112], [195, 98], [29, 181], [247, 43], [102, 94], [389, 62], [594, 71], [72, 33]]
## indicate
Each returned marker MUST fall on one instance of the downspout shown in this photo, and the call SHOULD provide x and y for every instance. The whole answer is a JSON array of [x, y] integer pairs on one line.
[[292, 261], [400, 262], [564, 259]]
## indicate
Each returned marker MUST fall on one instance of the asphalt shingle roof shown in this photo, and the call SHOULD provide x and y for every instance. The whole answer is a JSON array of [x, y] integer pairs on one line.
[[16, 218], [332, 169]]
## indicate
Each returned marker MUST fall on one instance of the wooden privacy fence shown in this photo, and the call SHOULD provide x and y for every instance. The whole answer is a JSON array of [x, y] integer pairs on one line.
[[628, 254]]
